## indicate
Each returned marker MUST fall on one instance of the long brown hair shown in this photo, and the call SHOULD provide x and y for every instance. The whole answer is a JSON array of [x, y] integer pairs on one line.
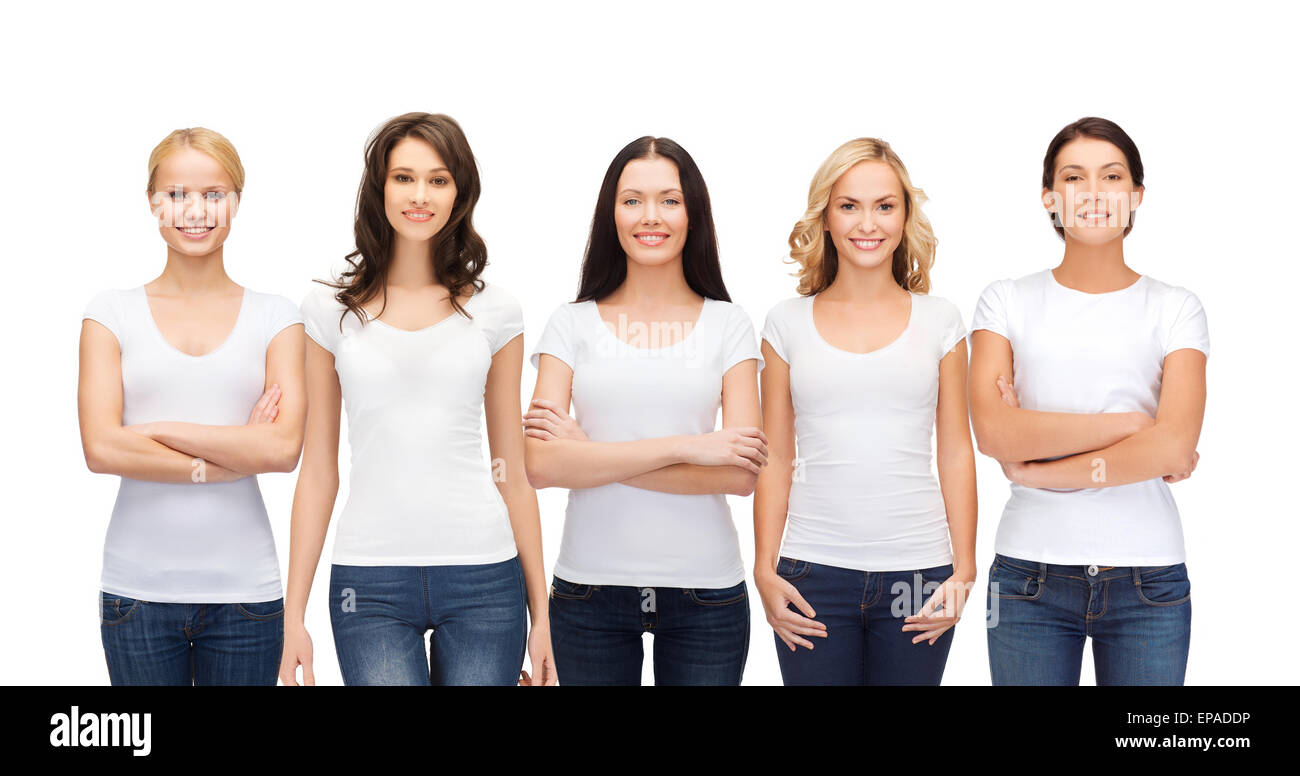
[[458, 252]]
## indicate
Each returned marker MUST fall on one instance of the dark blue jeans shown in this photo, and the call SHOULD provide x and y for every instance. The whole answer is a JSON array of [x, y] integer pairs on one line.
[[863, 612], [478, 614], [701, 635], [1040, 615], [150, 643]]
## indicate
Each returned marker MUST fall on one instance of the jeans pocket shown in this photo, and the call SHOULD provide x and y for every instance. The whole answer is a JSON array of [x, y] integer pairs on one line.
[[116, 609], [1163, 585], [1014, 583], [570, 591], [262, 610], [792, 570], [717, 596]]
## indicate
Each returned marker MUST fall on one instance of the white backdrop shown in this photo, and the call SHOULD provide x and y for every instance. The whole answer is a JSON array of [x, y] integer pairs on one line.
[[759, 94]]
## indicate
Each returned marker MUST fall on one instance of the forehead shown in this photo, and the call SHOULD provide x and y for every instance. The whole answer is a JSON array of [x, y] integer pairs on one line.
[[1089, 152], [868, 180], [656, 174], [415, 153], [193, 168]]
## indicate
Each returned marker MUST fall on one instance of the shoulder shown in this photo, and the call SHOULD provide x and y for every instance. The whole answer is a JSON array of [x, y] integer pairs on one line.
[[939, 306], [730, 312], [492, 297], [1170, 293]]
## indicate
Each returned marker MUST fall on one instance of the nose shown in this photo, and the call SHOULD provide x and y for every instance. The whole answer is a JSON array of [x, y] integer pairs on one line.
[[650, 215], [196, 208], [420, 197]]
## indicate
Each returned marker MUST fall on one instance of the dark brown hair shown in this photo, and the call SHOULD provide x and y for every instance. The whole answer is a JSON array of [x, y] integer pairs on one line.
[[604, 266], [1100, 129], [458, 253]]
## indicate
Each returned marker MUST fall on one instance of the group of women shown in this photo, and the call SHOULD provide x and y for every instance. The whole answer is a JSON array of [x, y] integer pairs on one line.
[[1086, 382]]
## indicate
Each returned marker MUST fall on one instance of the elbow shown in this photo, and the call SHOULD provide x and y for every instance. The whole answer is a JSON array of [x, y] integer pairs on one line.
[[285, 456], [536, 473], [94, 460], [988, 444], [744, 483]]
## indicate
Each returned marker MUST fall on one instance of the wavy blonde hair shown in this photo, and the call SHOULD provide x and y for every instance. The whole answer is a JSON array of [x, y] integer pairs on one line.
[[212, 143], [815, 254]]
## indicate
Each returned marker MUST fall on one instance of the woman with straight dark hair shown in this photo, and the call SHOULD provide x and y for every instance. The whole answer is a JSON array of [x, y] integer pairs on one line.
[[1088, 384], [419, 348], [647, 353]]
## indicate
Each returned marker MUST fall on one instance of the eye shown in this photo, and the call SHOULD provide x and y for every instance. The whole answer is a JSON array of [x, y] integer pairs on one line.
[[440, 181], [215, 196], [886, 206], [631, 202], [1069, 178], [402, 177], [177, 194], [1114, 176], [847, 206], [672, 201]]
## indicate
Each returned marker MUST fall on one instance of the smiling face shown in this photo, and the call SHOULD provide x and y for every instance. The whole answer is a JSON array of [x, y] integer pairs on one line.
[[194, 200], [650, 211], [866, 215], [419, 192], [1092, 192]]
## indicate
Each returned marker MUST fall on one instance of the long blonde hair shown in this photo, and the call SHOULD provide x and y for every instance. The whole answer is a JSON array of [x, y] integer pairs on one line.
[[212, 143], [815, 254]]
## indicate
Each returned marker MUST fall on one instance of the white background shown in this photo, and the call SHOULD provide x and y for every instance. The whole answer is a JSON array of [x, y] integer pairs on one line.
[[759, 95]]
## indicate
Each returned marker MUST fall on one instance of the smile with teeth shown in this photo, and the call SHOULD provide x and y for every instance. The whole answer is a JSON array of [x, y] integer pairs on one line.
[[1096, 216], [417, 215], [866, 245], [195, 230], [650, 238]]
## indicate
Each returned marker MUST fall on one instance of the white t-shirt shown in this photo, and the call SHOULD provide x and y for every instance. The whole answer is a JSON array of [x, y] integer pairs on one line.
[[421, 492], [192, 542], [1091, 353], [864, 494], [616, 534]]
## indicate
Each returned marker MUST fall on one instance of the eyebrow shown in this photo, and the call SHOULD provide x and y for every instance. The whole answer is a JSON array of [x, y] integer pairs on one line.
[[1104, 166], [209, 187], [638, 191], [408, 169], [856, 202]]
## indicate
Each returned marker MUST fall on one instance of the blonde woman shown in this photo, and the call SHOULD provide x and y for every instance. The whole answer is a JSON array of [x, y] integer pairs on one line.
[[860, 369], [189, 387]]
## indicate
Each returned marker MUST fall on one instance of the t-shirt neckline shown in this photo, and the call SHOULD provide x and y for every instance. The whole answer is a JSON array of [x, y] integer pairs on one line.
[[704, 309], [812, 324], [153, 323], [1051, 278]]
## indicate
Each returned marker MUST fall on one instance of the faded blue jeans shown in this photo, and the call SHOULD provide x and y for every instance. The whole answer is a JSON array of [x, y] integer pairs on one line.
[[150, 643], [478, 614], [1139, 618]]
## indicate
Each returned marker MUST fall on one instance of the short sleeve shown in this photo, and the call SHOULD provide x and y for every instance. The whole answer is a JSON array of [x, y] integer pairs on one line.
[[558, 338], [951, 326], [775, 329], [1186, 326], [281, 314], [106, 308], [321, 314], [501, 318], [991, 310], [738, 342]]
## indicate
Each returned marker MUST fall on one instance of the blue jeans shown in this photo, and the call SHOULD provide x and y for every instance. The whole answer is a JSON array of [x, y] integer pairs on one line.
[[863, 612], [701, 635], [150, 643], [478, 614], [1139, 618]]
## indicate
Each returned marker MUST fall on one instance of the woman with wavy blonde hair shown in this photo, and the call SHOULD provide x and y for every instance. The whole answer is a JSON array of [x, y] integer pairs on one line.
[[860, 368]]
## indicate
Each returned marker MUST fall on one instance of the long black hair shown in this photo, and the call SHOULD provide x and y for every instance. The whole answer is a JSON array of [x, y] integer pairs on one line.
[[604, 265]]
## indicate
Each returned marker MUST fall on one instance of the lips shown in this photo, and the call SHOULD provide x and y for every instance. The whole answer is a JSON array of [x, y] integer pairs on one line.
[[195, 232], [419, 216], [866, 245], [651, 239]]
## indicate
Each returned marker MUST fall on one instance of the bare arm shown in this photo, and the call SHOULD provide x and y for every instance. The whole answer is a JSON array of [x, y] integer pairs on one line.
[[955, 460], [110, 448], [1013, 434], [256, 447], [1166, 448], [318, 482], [739, 408], [580, 463], [772, 491], [506, 443]]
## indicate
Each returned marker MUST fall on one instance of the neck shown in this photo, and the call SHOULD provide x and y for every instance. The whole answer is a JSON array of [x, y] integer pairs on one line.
[[186, 275], [856, 284], [653, 286], [411, 264], [1094, 269]]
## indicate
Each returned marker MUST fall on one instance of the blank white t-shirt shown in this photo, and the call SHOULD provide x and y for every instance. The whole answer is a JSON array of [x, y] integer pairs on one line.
[[616, 534], [864, 495], [421, 492], [1090, 353], [191, 542]]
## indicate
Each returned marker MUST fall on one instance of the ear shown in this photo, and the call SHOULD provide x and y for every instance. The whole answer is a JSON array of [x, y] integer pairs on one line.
[[1051, 201], [1137, 197]]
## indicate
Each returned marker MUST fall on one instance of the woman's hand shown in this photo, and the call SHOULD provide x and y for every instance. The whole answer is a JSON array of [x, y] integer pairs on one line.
[[266, 408], [790, 626], [744, 446], [297, 652], [548, 420], [941, 611], [541, 658]]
